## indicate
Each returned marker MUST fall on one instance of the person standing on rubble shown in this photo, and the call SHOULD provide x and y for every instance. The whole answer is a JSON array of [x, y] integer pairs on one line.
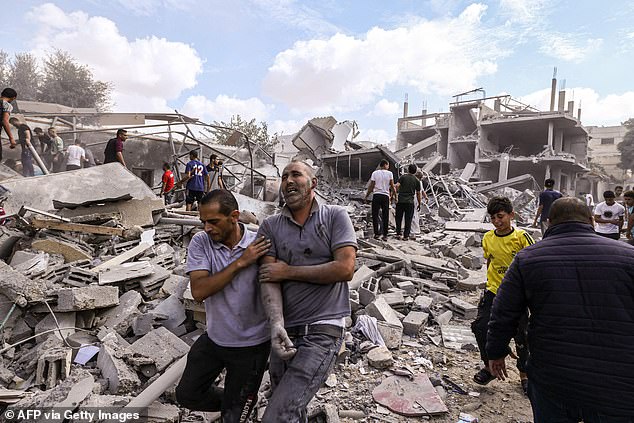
[[57, 150], [7, 96], [417, 206], [223, 272], [305, 292], [546, 199], [407, 186], [114, 149], [383, 191], [500, 246], [214, 169], [24, 137], [579, 288], [608, 217], [167, 184], [90, 158], [197, 180], [75, 156]]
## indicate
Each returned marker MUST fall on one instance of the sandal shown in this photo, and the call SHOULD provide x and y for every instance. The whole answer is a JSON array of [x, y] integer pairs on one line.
[[483, 377]]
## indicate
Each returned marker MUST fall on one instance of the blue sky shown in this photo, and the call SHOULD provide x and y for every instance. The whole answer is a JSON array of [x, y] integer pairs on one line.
[[286, 61]]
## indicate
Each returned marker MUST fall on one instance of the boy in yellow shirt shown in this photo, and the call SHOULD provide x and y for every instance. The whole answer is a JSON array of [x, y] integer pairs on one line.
[[500, 247]]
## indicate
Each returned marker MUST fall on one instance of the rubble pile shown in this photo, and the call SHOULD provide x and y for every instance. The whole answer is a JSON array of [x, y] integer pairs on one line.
[[96, 310]]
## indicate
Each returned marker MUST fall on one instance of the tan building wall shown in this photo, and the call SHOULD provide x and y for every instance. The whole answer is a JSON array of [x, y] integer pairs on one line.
[[602, 148]]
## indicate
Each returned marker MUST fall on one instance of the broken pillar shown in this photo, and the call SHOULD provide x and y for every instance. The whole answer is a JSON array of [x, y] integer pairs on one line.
[[53, 366]]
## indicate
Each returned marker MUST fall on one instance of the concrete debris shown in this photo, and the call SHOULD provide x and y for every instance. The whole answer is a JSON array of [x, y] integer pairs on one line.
[[87, 298]]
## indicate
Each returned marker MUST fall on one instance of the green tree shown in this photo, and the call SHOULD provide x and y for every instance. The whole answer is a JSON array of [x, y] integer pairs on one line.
[[256, 132], [71, 84], [23, 76], [626, 147]]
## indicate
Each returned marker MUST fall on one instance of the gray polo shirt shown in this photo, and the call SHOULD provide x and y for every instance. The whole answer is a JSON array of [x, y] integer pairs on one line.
[[235, 315], [327, 229]]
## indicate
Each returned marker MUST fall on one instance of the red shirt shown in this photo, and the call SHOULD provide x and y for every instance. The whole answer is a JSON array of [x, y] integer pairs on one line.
[[168, 180]]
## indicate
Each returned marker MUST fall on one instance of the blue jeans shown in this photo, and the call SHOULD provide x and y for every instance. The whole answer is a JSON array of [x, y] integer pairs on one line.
[[296, 381], [550, 410]]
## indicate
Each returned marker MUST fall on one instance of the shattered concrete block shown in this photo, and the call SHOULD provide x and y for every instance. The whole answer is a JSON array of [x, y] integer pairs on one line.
[[53, 366], [408, 287], [471, 261], [463, 309], [444, 318], [18, 288], [120, 317], [394, 297], [457, 250], [414, 322], [64, 320], [174, 285], [34, 266], [172, 311], [69, 250], [368, 291], [380, 358], [121, 379], [445, 212], [380, 309], [164, 413], [391, 334], [20, 331], [423, 302], [143, 323], [162, 346], [20, 257], [87, 298], [362, 274], [79, 277], [470, 284]]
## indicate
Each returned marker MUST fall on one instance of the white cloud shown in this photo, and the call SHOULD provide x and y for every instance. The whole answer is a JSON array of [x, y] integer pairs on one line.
[[149, 7], [630, 35], [344, 73], [380, 136], [567, 47], [294, 14], [148, 70], [611, 109], [223, 107], [385, 107]]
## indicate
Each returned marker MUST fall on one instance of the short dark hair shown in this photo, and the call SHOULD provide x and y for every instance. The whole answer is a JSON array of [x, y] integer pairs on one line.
[[383, 162], [617, 187], [14, 119], [213, 157], [628, 194], [9, 93], [78, 141], [193, 153], [412, 168], [121, 132], [224, 198], [38, 130], [549, 183], [499, 204], [166, 166], [609, 194], [569, 209]]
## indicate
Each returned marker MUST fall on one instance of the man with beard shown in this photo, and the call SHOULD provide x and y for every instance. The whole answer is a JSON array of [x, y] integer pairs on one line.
[[222, 267], [305, 292]]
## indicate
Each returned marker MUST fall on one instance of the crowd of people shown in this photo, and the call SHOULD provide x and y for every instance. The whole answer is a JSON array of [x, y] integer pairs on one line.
[[280, 296]]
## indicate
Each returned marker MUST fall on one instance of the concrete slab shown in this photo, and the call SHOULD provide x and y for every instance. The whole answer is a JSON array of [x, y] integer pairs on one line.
[[411, 398], [70, 251], [125, 271], [87, 298], [64, 320], [121, 379], [174, 309], [380, 358], [77, 186], [414, 322], [120, 317], [160, 345], [380, 309], [18, 288]]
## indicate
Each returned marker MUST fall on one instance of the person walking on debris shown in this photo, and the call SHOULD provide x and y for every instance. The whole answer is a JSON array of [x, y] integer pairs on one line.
[[45, 144], [75, 156], [215, 175], [57, 150], [305, 292], [546, 199], [608, 217], [90, 158], [114, 149], [383, 191], [197, 180], [417, 205], [6, 97], [407, 186], [24, 137], [579, 288], [500, 246], [167, 184], [629, 208], [223, 272]]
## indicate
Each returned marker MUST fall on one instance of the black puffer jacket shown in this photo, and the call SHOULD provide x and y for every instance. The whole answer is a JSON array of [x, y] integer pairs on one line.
[[579, 288]]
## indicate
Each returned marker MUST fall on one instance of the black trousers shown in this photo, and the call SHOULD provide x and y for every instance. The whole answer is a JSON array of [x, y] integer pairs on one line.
[[406, 209], [245, 367], [480, 326], [380, 202]]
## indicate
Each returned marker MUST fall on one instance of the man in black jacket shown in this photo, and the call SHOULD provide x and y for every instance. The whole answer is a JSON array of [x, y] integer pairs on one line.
[[579, 288]]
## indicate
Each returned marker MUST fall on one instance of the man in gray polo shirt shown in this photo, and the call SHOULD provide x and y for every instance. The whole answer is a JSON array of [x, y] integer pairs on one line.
[[223, 271], [305, 292]]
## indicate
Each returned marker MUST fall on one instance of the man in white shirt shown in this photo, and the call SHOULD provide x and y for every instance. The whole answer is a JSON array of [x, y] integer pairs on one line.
[[382, 188], [75, 156], [608, 217]]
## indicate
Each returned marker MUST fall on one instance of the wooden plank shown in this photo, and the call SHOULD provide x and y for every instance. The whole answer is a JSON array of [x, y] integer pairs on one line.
[[75, 227], [122, 258]]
